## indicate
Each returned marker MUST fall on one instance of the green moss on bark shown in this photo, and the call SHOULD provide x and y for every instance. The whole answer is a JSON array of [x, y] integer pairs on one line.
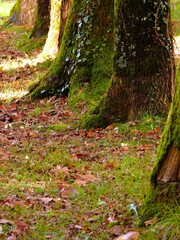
[[85, 56], [42, 18], [15, 12], [165, 192], [171, 134], [143, 64]]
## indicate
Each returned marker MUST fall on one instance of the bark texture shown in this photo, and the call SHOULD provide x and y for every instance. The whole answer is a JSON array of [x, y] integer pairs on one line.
[[165, 179], [86, 51], [23, 13], [143, 64], [65, 8], [42, 18], [168, 158]]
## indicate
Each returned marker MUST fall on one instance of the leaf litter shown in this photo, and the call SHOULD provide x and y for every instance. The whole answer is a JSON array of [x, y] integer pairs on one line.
[[71, 181]]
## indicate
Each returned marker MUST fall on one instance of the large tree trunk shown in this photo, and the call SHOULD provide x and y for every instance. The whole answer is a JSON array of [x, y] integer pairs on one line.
[[86, 51], [42, 18], [23, 13], [143, 64], [59, 13], [165, 179]]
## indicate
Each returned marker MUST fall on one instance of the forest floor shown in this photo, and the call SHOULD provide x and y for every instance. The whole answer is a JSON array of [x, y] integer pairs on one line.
[[61, 182]]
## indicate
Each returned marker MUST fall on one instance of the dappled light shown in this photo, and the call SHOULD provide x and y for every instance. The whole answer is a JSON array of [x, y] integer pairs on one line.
[[20, 62]]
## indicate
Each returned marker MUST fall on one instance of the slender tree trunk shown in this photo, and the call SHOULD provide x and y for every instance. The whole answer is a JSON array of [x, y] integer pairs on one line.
[[42, 18], [59, 13], [143, 64], [86, 51], [65, 8], [23, 13]]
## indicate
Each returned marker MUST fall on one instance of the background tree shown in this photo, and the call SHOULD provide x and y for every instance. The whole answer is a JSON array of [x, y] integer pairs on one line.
[[58, 16], [85, 56], [42, 18], [165, 179], [65, 8], [23, 13], [143, 64]]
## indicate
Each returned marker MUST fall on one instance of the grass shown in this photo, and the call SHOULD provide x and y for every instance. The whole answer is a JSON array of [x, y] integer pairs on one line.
[[89, 177]]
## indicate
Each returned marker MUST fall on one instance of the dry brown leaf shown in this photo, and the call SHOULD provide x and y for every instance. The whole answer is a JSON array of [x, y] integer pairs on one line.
[[68, 192], [46, 200], [5, 221], [84, 179], [133, 235], [12, 237], [115, 230]]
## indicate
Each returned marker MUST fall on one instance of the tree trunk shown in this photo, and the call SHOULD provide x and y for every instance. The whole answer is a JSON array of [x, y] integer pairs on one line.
[[65, 8], [165, 179], [23, 13], [143, 64], [59, 13], [42, 18], [86, 50]]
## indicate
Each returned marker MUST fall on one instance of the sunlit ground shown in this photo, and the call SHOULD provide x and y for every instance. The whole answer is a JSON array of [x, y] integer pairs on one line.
[[17, 75], [20, 62]]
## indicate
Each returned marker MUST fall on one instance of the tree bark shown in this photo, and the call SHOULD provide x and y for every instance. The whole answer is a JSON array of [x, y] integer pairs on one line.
[[165, 178], [65, 8], [59, 13], [85, 56], [143, 65], [42, 18], [23, 13]]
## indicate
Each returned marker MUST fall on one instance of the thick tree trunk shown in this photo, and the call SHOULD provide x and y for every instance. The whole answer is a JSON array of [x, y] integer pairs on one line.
[[23, 13], [143, 64], [165, 179], [59, 13], [86, 51], [42, 18]]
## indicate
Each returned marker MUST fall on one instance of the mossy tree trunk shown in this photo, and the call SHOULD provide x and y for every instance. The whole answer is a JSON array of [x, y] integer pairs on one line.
[[59, 13], [42, 18], [23, 13], [165, 179], [86, 50], [143, 65], [65, 8]]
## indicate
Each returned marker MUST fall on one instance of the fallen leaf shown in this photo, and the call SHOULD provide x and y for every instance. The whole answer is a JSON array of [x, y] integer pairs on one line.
[[133, 235], [68, 192], [84, 179], [46, 200], [115, 230], [12, 237], [5, 221]]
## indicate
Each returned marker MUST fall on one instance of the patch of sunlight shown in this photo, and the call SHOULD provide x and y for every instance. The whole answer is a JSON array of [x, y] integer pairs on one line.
[[20, 62], [11, 94], [177, 45]]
